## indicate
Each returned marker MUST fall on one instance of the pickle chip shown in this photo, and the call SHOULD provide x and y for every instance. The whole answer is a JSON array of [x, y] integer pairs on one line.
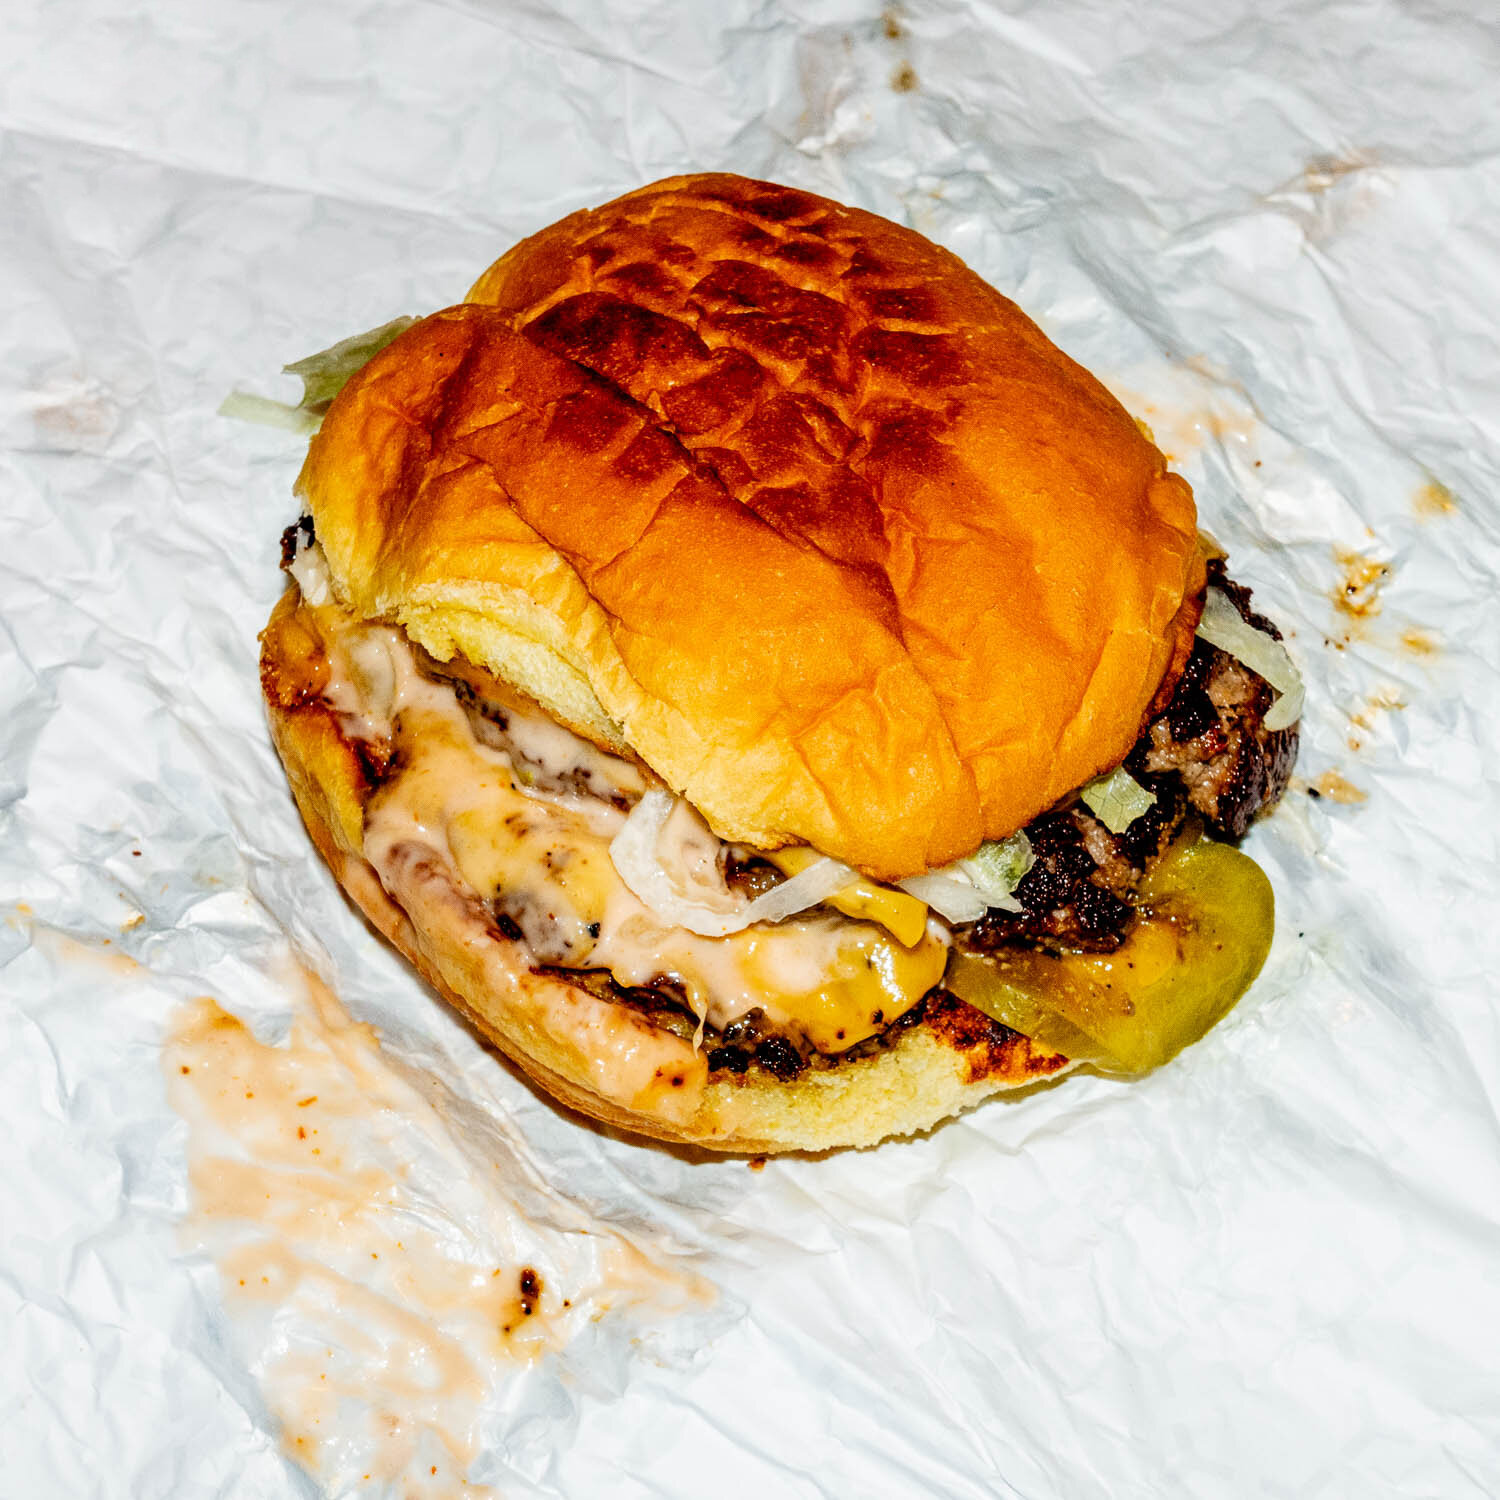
[[1203, 931]]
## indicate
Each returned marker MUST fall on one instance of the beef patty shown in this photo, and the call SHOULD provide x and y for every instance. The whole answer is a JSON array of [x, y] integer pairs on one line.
[[1207, 752]]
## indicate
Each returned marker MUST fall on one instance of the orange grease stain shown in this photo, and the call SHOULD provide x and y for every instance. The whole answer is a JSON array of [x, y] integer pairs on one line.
[[1382, 700], [1358, 592], [1334, 787], [1433, 499]]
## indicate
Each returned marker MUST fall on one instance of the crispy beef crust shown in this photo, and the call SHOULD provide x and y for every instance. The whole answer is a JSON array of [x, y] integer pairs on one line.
[[1206, 752]]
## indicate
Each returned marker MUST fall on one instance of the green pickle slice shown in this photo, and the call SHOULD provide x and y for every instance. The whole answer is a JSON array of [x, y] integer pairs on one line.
[[1203, 931]]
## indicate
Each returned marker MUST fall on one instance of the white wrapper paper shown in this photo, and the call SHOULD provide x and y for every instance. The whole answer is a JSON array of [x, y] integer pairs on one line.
[[1267, 1269]]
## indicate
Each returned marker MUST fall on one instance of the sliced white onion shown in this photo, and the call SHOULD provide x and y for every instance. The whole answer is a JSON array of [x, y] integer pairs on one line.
[[636, 852], [310, 568], [951, 896], [1223, 627], [823, 878], [1117, 799]]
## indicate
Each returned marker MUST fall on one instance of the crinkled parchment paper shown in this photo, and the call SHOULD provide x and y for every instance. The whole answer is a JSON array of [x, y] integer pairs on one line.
[[1269, 1269]]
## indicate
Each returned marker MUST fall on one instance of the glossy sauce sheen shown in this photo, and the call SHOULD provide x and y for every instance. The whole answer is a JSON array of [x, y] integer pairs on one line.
[[528, 826]]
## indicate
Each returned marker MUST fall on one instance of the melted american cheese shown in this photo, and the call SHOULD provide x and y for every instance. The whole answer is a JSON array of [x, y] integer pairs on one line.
[[527, 827]]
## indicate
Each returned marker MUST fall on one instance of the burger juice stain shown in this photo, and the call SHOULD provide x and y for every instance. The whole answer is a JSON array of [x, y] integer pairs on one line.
[[1356, 596], [1434, 499], [1358, 593], [1334, 786], [904, 77], [1362, 720], [1382, 700]]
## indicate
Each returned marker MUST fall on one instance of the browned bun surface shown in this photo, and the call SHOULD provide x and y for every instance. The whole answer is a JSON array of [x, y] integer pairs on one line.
[[782, 498], [949, 1061]]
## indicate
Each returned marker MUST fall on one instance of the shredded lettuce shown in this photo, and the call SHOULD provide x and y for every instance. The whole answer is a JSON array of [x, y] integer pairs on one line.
[[323, 376], [1117, 799], [241, 406], [1223, 626]]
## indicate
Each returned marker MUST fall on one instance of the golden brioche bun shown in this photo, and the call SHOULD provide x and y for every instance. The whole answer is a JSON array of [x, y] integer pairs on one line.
[[947, 1062], [784, 500]]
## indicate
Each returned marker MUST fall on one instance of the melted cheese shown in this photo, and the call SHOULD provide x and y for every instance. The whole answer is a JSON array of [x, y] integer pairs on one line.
[[509, 824], [899, 913]]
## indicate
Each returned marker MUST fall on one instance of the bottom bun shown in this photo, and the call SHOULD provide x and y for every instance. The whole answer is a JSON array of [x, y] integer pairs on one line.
[[591, 1054]]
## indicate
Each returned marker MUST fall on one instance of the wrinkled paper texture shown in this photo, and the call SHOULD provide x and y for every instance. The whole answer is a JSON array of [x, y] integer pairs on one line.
[[1268, 1269]]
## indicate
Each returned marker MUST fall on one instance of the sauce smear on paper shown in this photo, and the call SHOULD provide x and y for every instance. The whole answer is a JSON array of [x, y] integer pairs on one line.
[[1358, 592], [388, 1285], [1338, 789]]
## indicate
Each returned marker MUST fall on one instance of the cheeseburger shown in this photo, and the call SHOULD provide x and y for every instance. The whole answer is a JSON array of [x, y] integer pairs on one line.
[[770, 690]]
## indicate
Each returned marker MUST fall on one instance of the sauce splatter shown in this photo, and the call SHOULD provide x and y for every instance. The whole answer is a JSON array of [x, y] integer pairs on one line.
[[1182, 407], [1434, 499], [1358, 593], [1382, 700], [1322, 172], [65, 947], [904, 79], [387, 1283], [1362, 720], [1334, 786]]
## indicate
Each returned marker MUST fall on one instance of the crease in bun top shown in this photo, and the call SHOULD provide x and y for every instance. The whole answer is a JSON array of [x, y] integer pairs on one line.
[[766, 686]]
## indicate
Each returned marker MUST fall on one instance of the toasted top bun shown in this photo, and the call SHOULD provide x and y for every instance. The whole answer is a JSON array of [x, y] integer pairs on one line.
[[784, 500]]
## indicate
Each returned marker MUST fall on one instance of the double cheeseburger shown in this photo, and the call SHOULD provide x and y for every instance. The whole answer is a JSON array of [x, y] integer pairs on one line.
[[773, 693]]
